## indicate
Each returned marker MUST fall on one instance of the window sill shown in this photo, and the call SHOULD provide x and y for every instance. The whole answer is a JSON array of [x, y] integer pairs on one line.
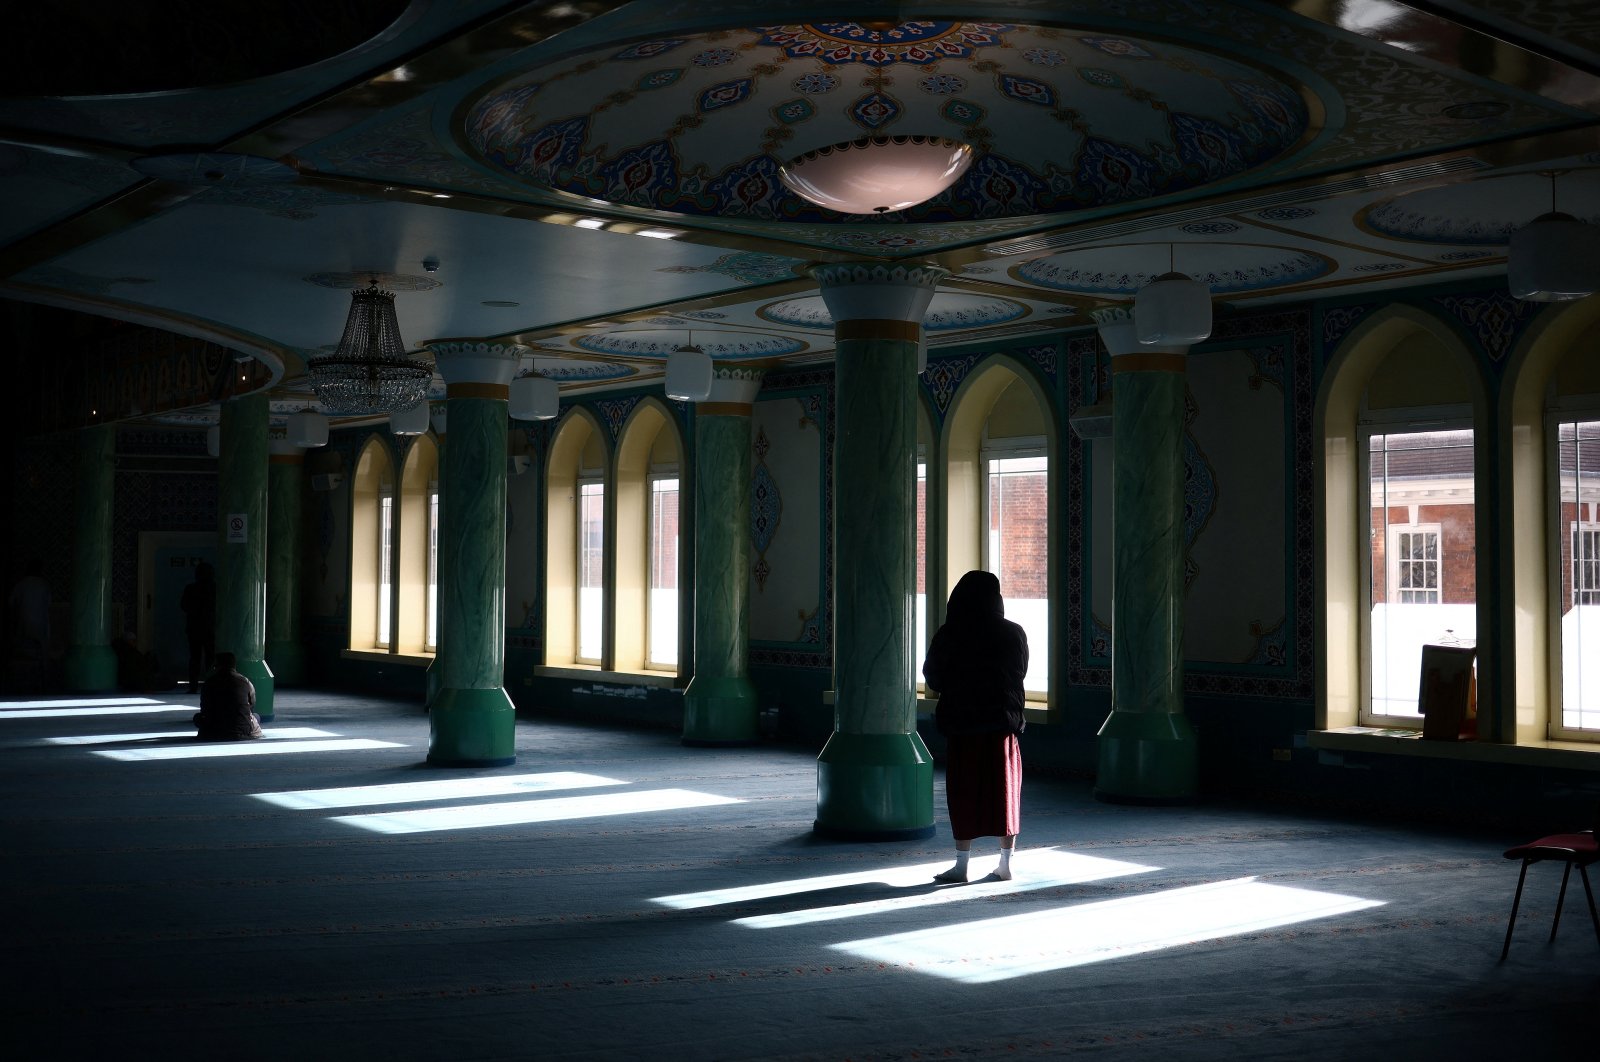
[[382, 656], [657, 679], [1571, 755]]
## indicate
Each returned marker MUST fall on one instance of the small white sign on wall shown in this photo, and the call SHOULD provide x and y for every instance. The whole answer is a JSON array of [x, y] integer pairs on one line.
[[238, 527]]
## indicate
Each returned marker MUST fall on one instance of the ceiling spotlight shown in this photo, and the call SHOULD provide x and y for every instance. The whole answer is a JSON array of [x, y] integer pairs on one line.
[[1551, 259], [878, 174]]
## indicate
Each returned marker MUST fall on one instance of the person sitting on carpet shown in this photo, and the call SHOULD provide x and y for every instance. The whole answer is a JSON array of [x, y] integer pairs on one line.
[[976, 663], [227, 701]]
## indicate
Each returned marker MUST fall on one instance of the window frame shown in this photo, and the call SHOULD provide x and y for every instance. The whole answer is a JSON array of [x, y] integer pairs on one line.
[[1576, 409], [384, 578], [660, 474], [1412, 420], [1022, 447], [588, 478]]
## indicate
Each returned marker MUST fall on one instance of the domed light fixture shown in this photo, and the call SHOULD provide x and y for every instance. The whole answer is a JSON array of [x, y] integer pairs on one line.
[[534, 397], [412, 420], [1173, 310], [689, 373], [307, 429], [876, 174], [370, 371], [1552, 257]]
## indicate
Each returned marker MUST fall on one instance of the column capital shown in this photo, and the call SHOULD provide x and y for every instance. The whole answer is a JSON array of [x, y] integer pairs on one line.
[[733, 391], [477, 361], [876, 291]]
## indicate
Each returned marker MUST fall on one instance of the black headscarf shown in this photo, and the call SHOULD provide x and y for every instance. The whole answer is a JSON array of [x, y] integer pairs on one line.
[[975, 600]]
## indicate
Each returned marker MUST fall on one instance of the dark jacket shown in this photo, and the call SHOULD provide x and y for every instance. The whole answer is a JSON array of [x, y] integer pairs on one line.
[[977, 662], [226, 703]]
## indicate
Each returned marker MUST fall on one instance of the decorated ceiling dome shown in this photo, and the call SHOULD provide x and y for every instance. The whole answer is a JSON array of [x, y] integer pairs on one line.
[[698, 124]]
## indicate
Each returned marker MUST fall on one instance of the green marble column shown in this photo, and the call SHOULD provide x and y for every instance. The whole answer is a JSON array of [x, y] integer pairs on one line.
[[1147, 751], [471, 720], [242, 543], [91, 665], [438, 417], [720, 705], [875, 775], [285, 547]]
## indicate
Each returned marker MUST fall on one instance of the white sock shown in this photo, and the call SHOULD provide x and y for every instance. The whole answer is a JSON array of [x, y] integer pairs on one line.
[[1004, 869], [957, 872]]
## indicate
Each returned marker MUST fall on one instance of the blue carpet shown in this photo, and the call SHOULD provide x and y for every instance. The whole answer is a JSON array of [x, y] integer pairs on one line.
[[160, 908]]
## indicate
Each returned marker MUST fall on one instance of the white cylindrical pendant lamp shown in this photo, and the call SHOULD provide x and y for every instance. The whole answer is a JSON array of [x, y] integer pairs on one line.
[[308, 429], [535, 398], [412, 420], [1172, 310], [1552, 259], [689, 373]]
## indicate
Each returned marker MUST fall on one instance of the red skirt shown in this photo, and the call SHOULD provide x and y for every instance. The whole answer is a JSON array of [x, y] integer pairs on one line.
[[983, 785]]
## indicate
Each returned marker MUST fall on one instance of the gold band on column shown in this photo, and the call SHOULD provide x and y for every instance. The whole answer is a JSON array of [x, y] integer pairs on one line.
[[878, 328], [286, 459], [1148, 363], [479, 390], [723, 409]]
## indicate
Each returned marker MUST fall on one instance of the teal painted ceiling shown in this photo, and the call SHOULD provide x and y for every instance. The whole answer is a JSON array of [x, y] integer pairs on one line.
[[591, 178]]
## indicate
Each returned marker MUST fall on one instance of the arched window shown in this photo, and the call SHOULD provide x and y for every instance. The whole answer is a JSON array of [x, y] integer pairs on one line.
[[372, 567], [648, 489], [575, 568], [998, 493], [417, 550], [1552, 553], [1400, 418]]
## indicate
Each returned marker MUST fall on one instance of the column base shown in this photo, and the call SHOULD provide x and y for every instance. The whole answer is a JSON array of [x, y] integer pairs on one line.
[[261, 677], [1147, 758], [472, 728], [288, 663], [91, 668], [875, 787], [721, 712]]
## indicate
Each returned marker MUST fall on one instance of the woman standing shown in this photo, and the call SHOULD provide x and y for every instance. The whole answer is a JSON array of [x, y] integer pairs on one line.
[[976, 664]]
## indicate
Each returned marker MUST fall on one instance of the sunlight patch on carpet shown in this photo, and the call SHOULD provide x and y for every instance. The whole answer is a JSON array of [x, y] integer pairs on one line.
[[996, 949], [1034, 869], [84, 713], [77, 702], [200, 751], [443, 789], [284, 733], [520, 812]]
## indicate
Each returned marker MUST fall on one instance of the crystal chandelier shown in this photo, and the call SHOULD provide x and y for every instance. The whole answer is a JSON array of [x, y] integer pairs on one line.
[[370, 372]]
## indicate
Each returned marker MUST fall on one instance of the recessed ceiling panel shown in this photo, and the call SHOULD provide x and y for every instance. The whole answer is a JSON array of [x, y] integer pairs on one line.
[[698, 123]]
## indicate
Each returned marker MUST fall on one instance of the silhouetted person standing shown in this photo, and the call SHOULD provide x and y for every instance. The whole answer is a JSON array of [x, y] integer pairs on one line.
[[199, 604], [227, 703], [977, 663]]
